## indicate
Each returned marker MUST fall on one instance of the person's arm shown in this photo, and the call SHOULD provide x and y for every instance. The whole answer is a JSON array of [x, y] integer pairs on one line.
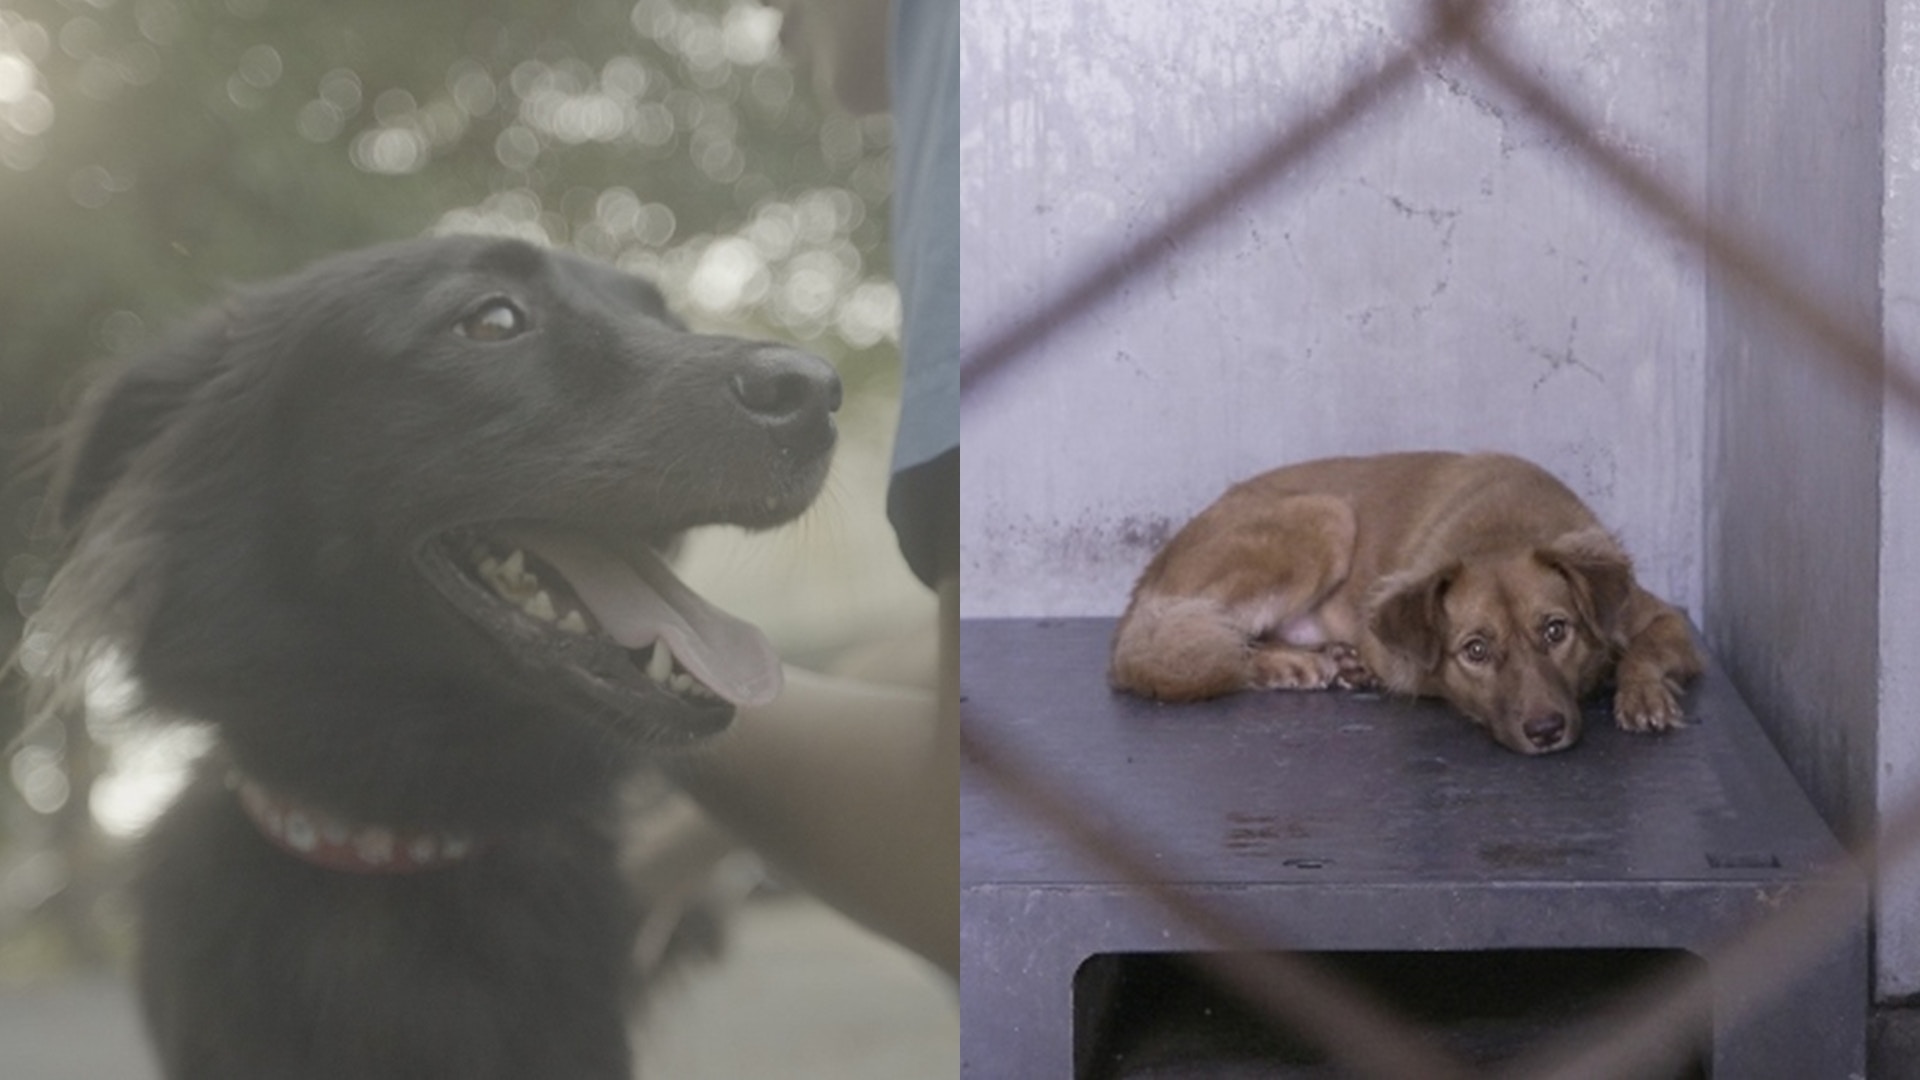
[[853, 789]]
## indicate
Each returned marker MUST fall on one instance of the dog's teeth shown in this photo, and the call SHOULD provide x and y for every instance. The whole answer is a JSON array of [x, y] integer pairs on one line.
[[490, 572], [522, 582], [509, 579], [540, 606], [660, 665], [662, 669], [573, 623]]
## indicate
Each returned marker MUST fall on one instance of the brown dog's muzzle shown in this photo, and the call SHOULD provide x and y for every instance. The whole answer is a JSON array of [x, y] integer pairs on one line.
[[1549, 731]]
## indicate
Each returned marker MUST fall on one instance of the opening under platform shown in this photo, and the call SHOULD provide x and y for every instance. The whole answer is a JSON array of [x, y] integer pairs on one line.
[[1148, 1016], [1391, 836]]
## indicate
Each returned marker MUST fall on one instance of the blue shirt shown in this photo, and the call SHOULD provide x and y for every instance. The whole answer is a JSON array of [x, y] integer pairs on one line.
[[925, 90]]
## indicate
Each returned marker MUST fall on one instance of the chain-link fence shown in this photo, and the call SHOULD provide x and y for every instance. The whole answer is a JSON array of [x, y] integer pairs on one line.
[[1650, 1030]]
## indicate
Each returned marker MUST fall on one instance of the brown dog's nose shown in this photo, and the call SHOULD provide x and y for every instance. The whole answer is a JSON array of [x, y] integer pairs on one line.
[[1545, 731], [792, 394]]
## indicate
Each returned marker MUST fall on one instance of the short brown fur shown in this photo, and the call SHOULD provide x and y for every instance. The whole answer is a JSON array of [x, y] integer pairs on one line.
[[1478, 579]]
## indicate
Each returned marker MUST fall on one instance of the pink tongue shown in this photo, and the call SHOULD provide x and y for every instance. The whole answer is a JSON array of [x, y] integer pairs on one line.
[[639, 602]]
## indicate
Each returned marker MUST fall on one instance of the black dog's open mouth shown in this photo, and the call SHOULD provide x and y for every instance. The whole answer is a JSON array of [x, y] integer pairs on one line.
[[614, 622]]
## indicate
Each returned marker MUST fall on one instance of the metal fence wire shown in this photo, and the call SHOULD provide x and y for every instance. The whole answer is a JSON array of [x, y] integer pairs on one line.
[[1650, 1029]]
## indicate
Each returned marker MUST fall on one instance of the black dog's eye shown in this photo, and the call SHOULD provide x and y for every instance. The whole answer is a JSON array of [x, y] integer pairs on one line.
[[1476, 651], [1555, 631], [495, 320]]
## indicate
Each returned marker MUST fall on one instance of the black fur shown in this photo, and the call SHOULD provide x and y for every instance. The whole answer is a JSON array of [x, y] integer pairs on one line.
[[258, 506]]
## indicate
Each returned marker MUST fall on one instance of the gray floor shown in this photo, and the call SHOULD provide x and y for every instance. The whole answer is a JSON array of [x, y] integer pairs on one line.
[[1380, 826], [801, 994]]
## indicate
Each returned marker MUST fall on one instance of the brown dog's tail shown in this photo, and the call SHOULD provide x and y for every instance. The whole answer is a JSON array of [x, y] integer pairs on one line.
[[1179, 649]]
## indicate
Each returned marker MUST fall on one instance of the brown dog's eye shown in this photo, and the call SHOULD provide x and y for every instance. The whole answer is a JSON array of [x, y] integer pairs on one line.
[[1555, 631], [1476, 651], [496, 320]]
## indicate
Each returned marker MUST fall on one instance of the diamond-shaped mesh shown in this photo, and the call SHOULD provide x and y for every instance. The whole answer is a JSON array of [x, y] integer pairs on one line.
[[1650, 1029]]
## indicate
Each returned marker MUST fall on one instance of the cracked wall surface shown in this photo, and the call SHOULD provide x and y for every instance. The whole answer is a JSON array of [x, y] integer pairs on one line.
[[1442, 273]]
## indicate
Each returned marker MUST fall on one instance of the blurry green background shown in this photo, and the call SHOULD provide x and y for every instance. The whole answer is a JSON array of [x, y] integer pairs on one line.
[[154, 151]]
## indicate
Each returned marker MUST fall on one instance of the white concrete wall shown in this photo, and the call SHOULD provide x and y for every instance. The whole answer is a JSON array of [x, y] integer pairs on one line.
[[1442, 274], [1793, 451]]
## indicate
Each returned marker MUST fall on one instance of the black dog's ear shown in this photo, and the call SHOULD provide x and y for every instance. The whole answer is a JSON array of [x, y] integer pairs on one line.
[[121, 415], [1405, 615], [1599, 573]]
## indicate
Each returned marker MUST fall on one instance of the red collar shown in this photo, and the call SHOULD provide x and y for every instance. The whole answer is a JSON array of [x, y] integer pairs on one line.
[[335, 844]]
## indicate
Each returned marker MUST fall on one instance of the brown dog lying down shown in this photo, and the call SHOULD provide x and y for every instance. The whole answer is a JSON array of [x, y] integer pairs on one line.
[[1478, 579]]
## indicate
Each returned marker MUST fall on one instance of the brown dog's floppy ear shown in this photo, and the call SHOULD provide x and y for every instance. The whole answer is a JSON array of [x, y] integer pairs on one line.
[[1599, 573], [1405, 616]]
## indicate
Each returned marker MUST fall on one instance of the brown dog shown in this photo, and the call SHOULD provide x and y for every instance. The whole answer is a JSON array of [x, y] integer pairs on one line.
[[1478, 579]]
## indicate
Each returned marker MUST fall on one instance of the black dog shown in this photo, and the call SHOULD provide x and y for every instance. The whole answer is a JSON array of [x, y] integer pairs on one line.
[[389, 525]]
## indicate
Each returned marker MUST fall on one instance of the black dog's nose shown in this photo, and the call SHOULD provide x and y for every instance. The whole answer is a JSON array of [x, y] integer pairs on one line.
[[1545, 731], [792, 394]]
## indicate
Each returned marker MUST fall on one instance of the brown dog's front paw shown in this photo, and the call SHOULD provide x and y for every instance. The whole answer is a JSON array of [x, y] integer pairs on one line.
[[1647, 705], [1283, 667], [1351, 673]]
